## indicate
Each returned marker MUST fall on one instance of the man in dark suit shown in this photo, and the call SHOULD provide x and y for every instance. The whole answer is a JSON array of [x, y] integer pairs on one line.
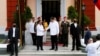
[[13, 38], [75, 32]]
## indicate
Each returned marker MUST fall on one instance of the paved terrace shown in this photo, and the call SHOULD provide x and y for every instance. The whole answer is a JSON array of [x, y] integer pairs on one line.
[[30, 50]]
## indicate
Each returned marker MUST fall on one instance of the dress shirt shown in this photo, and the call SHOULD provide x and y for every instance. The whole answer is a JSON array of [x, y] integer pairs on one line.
[[13, 32], [75, 24], [40, 30], [54, 28], [91, 49], [31, 27], [97, 45]]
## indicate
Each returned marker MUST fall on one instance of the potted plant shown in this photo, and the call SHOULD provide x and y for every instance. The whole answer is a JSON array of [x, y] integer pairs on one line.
[[72, 13], [25, 16], [87, 20]]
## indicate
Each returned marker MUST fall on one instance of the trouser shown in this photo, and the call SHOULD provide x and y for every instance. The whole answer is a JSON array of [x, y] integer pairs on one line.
[[40, 42], [76, 42], [23, 39], [60, 40], [33, 38], [14, 46], [54, 42], [65, 39]]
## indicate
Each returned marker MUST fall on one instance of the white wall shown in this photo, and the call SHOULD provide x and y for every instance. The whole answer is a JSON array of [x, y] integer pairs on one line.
[[3, 15]]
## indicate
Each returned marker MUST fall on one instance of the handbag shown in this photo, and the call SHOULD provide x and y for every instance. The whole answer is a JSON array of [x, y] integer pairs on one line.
[[9, 48]]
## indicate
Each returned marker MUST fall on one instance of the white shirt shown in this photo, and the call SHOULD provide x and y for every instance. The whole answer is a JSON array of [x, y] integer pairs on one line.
[[96, 44], [40, 30], [54, 28], [13, 31], [75, 24], [31, 27], [91, 49]]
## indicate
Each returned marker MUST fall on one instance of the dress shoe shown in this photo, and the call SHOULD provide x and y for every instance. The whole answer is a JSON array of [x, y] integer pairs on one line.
[[72, 50], [56, 49], [51, 49], [16, 54], [63, 45], [77, 49], [11, 54], [42, 49], [37, 49]]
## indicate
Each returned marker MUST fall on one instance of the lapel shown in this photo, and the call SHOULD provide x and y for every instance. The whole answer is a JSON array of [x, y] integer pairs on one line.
[[74, 25]]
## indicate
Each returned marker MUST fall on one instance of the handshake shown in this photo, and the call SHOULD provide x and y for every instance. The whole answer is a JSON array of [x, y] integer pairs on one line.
[[45, 30]]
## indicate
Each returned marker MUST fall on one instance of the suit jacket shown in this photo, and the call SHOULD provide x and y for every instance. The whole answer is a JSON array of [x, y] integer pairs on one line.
[[87, 36], [65, 27], [10, 33], [75, 30]]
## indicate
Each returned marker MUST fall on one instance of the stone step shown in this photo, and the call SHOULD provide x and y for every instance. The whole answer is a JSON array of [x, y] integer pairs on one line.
[[49, 55], [30, 50], [53, 55], [52, 52]]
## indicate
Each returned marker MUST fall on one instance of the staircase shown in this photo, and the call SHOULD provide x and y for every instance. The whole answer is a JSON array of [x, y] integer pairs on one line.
[[30, 50]]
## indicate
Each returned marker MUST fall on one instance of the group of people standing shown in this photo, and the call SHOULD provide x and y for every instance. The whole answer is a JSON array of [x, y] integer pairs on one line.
[[38, 31], [59, 31]]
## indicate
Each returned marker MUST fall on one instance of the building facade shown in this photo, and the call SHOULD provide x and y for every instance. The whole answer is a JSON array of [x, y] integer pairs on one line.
[[46, 9]]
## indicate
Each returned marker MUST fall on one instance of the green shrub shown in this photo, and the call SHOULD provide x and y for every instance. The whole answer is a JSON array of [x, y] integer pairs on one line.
[[72, 13]]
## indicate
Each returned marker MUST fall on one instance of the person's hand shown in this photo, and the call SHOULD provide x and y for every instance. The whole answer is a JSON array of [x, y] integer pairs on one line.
[[60, 32], [57, 35], [71, 35], [45, 30], [8, 41], [18, 40]]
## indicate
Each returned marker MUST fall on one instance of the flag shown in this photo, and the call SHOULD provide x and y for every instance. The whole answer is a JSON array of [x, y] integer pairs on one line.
[[97, 3]]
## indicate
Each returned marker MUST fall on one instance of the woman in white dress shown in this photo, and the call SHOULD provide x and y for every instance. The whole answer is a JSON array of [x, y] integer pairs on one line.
[[28, 38]]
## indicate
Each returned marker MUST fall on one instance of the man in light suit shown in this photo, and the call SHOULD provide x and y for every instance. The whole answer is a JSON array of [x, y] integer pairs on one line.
[[54, 32], [75, 33], [13, 38], [32, 31]]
